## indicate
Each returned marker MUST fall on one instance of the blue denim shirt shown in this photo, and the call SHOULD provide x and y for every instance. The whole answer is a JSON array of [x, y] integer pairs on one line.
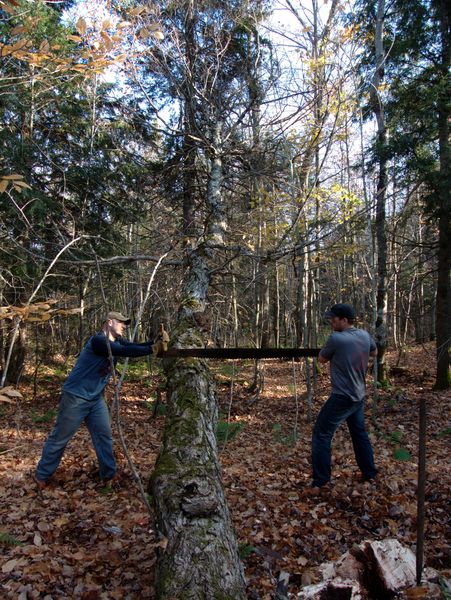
[[92, 370]]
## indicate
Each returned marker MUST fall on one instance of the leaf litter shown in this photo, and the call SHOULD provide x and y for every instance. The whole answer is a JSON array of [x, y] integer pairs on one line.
[[78, 539]]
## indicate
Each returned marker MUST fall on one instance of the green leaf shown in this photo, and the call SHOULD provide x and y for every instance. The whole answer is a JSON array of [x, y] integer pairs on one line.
[[227, 431], [45, 418], [396, 437], [245, 550], [9, 540], [402, 454]]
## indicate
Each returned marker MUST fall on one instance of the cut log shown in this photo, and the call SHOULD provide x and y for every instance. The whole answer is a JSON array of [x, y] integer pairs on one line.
[[395, 563], [334, 590], [374, 570]]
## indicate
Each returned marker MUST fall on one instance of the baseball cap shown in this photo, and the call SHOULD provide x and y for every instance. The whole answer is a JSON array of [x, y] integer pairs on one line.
[[342, 311], [118, 316]]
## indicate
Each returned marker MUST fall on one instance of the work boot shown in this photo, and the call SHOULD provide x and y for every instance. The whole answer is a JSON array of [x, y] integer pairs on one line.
[[41, 483]]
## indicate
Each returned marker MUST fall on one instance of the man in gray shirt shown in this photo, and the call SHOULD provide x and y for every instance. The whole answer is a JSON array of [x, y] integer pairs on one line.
[[348, 350]]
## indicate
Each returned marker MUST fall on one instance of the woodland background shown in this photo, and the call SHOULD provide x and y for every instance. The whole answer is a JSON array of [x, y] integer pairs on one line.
[[315, 136], [228, 169]]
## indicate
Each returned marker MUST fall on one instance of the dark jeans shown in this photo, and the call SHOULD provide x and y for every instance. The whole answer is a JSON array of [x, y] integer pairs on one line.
[[337, 409], [73, 410]]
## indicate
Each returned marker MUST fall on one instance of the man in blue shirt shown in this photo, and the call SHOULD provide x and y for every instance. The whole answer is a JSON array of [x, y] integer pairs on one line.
[[82, 399], [348, 349]]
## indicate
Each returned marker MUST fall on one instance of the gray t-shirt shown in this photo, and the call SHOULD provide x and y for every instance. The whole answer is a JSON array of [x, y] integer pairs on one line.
[[348, 352]]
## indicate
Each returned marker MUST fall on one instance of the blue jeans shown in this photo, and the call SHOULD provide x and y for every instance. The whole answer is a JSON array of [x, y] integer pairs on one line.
[[73, 410], [337, 409]]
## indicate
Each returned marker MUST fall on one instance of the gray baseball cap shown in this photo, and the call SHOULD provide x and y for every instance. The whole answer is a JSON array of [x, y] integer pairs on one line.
[[118, 316]]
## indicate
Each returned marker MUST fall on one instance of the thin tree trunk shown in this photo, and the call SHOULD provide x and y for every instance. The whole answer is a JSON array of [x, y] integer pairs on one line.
[[443, 303], [381, 236]]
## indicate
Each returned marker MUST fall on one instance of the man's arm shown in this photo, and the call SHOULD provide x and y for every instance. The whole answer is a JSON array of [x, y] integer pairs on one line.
[[327, 351], [119, 348]]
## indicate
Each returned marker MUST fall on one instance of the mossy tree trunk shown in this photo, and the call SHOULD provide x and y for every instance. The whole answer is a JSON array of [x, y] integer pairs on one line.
[[200, 559]]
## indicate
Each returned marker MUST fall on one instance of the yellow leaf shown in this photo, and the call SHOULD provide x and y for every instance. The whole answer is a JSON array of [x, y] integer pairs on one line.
[[163, 543], [38, 318], [136, 11], [417, 592], [158, 35], [46, 303], [43, 305], [22, 184], [3, 185], [5, 399], [124, 24], [81, 26], [18, 29], [13, 176], [107, 40], [5, 50], [19, 45], [44, 47], [74, 38], [10, 392]]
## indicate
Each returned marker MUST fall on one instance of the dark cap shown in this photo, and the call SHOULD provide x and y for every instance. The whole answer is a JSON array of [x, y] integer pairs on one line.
[[118, 316], [342, 311]]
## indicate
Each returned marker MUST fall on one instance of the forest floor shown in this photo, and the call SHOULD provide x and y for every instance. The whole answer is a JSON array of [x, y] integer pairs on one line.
[[78, 539]]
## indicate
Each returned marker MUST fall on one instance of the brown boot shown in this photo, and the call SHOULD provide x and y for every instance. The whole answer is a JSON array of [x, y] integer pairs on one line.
[[41, 483]]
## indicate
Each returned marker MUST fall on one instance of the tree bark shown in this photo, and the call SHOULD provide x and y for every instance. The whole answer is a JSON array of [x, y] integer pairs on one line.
[[443, 302], [199, 558], [381, 236]]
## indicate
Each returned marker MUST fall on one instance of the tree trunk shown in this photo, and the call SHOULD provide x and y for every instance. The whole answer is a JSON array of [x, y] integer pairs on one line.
[[199, 559], [381, 236], [443, 304]]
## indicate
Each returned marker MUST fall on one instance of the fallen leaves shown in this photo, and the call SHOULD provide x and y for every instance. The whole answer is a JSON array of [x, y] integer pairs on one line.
[[76, 542]]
